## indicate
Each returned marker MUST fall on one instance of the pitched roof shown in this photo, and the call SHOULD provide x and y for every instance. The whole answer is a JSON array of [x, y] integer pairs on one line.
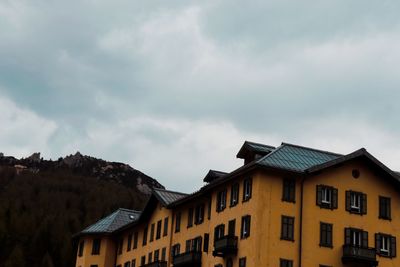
[[296, 158], [251, 147], [213, 175], [166, 197], [113, 222]]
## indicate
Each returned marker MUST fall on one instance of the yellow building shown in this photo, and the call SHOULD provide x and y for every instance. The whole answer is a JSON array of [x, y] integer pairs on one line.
[[286, 206]]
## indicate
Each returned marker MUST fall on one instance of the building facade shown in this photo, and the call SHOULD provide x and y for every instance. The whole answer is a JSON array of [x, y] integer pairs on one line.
[[286, 206]]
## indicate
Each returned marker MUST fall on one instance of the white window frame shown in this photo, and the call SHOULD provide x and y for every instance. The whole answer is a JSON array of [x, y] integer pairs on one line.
[[354, 236], [355, 201], [326, 195], [385, 245]]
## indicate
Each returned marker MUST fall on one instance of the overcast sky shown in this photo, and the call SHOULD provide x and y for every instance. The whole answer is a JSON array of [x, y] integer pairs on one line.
[[175, 87]]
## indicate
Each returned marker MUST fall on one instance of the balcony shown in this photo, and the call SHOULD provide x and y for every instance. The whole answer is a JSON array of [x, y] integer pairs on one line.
[[156, 264], [188, 259], [225, 246], [353, 254]]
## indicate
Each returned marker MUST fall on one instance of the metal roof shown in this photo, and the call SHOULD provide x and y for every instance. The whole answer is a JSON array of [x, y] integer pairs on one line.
[[167, 197], [113, 222], [254, 148], [213, 175], [296, 158]]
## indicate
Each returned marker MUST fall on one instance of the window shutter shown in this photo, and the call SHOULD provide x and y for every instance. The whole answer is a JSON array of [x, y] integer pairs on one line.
[[251, 187], [378, 243], [348, 203], [364, 239], [364, 203], [347, 236], [393, 246], [334, 198], [248, 226], [206, 241], [319, 195], [389, 209]]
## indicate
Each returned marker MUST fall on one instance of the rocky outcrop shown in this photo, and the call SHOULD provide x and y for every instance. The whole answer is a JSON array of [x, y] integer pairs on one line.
[[85, 166]]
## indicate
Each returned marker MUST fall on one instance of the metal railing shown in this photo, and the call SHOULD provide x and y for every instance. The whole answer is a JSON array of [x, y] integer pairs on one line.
[[191, 258]]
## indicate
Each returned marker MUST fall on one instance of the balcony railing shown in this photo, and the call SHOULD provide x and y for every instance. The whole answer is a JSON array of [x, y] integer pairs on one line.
[[358, 254], [226, 245], [187, 259], [155, 264]]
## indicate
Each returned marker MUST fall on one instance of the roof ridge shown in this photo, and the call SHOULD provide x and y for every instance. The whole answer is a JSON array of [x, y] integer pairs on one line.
[[255, 143], [313, 149], [269, 154], [129, 210], [169, 191]]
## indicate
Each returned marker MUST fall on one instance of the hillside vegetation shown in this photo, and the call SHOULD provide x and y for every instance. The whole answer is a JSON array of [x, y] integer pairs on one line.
[[43, 203]]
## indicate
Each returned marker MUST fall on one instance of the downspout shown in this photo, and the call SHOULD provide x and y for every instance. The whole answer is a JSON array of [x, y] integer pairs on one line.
[[301, 220]]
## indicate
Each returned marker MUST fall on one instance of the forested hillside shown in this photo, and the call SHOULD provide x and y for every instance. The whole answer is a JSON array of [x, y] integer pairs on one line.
[[43, 203]]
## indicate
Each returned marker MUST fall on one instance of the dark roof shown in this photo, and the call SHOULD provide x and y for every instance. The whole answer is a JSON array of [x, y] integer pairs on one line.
[[166, 197], [360, 153], [212, 175], [253, 148], [296, 158], [113, 222]]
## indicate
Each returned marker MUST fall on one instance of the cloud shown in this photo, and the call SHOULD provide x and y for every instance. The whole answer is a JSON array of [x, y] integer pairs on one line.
[[146, 74], [23, 131]]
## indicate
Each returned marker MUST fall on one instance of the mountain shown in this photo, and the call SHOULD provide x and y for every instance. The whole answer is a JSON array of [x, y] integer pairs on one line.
[[44, 202]]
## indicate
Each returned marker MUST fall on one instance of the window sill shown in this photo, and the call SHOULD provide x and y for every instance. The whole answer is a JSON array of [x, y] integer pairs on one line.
[[287, 239], [289, 201], [246, 200], [326, 246], [385, 218]]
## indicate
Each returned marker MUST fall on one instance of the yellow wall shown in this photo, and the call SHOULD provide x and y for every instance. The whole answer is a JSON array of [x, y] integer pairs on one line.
[[370, 183], [160, 213], [106, 258]]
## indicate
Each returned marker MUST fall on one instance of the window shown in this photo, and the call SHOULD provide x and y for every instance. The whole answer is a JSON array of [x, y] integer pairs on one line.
[[145, 231], [129, 245], [199, 214], [133, 264], [325, 239], [245, 231], [356, 202], [385, 245], [327, 197], [120, 246], [150, 257], [289, 190], [142, 260], [94, 265], [153, 226], [242, 262], [229, 262], [219, 232], [178, 222], [96, 246], [165, 227], [287, 228], [231, 227], [356, 237], [188, 245], [163, 254], [127, 264], [196, 244], [285, 263], [247, 184], [221, 200], [176, 249], [158, 234], [135, 239], [80, 249], [156, 255], [384, 208], [234, 194], [206, 241], [190, 218]]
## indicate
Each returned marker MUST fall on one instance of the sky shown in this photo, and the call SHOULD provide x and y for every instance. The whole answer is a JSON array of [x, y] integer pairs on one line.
[[174, 88]]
